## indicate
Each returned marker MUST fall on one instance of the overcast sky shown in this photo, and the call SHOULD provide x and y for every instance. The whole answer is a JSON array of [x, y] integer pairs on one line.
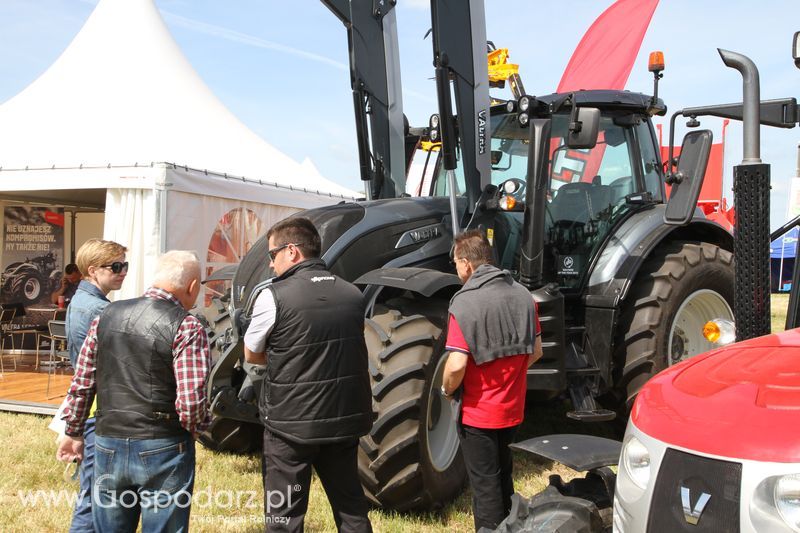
[[281, 66]]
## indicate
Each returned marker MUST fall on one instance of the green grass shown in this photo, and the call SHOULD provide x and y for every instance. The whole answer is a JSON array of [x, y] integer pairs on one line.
[[778, 307], [28, 463]]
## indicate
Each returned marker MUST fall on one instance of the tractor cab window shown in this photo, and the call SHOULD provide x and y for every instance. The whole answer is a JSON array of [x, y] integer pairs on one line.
[[651, 162], [440, 186], [589, 193], [422, 171]]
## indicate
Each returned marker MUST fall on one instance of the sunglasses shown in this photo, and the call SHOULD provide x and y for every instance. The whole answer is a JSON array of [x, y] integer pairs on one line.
[[273, 253], [116, 267]]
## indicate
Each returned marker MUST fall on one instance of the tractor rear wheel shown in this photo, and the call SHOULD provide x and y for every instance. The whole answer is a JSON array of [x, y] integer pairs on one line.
[[28, 287], [411, 459], [678, 289]]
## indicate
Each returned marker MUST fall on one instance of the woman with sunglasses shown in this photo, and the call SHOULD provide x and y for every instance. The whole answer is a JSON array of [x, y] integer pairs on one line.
[[103, 266]]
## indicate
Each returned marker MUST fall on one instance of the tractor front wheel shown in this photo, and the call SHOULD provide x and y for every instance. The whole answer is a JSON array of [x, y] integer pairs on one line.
[[680, 287], [411, 458]]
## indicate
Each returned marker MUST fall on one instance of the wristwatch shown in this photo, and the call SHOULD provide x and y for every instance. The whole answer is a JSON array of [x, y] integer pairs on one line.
[[444, 393]]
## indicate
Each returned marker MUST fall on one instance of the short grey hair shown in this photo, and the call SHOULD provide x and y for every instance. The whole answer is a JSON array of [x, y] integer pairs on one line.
[[176, 269]]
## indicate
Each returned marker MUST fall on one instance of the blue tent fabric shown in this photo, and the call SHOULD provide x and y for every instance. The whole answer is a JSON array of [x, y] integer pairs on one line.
[[785, 246]]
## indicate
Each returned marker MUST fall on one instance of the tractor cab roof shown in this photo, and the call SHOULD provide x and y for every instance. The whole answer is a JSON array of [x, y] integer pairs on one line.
[[603, 99]]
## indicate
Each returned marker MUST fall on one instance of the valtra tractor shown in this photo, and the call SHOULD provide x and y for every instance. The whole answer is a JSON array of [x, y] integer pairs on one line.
[[570, 189]]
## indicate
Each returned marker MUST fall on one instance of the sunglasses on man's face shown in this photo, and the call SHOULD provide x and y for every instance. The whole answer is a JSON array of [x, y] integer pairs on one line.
[[273, 253], [116, 267]]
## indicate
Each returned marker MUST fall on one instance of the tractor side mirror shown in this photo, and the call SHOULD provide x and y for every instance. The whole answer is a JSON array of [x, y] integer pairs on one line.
[[796, 49], [584, 123], [688, 180]]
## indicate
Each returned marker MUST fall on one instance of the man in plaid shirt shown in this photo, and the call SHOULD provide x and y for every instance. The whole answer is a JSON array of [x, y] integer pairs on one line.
[[147, 360]]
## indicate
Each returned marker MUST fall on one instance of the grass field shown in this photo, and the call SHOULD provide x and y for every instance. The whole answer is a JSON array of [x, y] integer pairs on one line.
[[228, 495], [228, 488]]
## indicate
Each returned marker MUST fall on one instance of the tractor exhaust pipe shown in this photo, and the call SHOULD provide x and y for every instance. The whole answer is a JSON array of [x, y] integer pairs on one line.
[[751, 115], [751, 186]]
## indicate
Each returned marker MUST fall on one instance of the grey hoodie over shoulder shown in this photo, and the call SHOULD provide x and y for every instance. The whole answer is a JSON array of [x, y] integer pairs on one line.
[[495, 314]]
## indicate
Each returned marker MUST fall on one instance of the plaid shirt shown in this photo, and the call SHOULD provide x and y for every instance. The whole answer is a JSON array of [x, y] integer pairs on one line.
[[191, 362]]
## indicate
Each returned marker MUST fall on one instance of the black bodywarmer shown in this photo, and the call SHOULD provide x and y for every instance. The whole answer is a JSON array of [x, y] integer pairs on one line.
[[136, 388], [316, 388]]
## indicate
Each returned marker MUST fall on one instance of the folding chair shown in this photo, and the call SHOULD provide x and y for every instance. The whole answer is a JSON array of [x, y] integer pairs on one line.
[[58, 315], [58, 336], [6, 317]]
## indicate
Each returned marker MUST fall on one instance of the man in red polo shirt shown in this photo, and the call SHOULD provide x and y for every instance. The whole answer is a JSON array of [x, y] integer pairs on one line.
[[493, 337]]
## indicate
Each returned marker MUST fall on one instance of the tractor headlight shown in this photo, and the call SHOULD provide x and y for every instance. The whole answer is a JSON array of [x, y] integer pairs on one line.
[[524, 104], [523, 119], [787, 500], [636, 461], [508, 203]]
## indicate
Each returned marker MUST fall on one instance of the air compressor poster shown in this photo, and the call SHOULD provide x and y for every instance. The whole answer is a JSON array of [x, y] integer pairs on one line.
[[33, 250]]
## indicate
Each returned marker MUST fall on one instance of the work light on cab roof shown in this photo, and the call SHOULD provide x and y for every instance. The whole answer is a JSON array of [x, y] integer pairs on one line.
[[655, 63]]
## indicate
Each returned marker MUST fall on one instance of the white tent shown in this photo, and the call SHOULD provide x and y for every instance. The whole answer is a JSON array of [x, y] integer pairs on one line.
[[122, 123]]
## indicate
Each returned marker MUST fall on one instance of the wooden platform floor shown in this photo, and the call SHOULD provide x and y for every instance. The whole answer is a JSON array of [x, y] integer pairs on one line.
[[29, 385]]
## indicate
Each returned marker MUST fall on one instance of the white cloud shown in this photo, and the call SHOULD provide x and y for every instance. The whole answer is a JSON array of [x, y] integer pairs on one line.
[[249, 40]]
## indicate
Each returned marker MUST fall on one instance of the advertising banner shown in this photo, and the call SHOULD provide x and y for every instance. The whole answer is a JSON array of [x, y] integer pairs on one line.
[[32, 263]]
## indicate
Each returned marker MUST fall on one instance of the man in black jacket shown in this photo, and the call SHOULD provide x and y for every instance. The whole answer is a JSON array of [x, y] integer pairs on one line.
[[308, 329]]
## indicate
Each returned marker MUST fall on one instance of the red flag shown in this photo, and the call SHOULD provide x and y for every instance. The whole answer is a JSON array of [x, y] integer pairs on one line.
[[604, 58]]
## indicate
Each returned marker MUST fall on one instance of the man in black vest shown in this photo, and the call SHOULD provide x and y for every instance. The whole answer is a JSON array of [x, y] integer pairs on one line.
[[147, 360], [308, 329]]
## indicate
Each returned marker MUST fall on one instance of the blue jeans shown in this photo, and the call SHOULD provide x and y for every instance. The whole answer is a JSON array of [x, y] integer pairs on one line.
[[82, 515], [153, 478]]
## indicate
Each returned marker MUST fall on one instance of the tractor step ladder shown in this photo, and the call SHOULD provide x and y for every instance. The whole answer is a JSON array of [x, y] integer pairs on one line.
[[585, 408]]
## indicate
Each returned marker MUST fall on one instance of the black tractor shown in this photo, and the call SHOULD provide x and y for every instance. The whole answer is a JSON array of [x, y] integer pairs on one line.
[[570, 189], [28, 281]]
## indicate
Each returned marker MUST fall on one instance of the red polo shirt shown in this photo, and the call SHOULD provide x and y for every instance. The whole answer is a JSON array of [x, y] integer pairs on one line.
[[494, 392]]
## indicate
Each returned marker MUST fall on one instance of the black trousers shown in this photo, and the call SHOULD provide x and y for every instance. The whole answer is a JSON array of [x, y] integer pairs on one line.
[[489, 468], [287, 481]]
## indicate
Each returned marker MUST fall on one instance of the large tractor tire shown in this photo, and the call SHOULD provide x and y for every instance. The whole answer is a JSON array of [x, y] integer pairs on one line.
[[411, 459], [678, 289], [28, 287]]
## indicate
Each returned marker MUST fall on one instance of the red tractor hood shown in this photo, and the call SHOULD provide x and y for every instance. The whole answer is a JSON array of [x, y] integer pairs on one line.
[[739, 401]]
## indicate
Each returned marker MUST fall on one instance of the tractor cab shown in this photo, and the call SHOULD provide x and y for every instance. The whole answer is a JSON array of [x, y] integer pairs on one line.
[[588, 191]]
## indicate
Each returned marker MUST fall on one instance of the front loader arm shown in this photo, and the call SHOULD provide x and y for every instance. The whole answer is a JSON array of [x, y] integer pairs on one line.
[[459, 52], [375, 81]]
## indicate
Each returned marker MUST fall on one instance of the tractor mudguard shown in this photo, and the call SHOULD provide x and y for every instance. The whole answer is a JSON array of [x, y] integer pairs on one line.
[[619, 262], [422, 281], [579, 452], [618, 265]]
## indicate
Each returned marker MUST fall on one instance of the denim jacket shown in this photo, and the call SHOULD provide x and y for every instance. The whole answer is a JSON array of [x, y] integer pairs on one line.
[[87, 303]]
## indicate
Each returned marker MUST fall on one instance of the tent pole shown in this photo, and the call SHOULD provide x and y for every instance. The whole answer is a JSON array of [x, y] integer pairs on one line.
[[162, 226], [73, 216]]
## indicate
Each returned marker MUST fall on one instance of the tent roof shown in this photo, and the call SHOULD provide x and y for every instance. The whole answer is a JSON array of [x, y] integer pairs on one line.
[[85, 187], [123, 93], [785, 246]]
